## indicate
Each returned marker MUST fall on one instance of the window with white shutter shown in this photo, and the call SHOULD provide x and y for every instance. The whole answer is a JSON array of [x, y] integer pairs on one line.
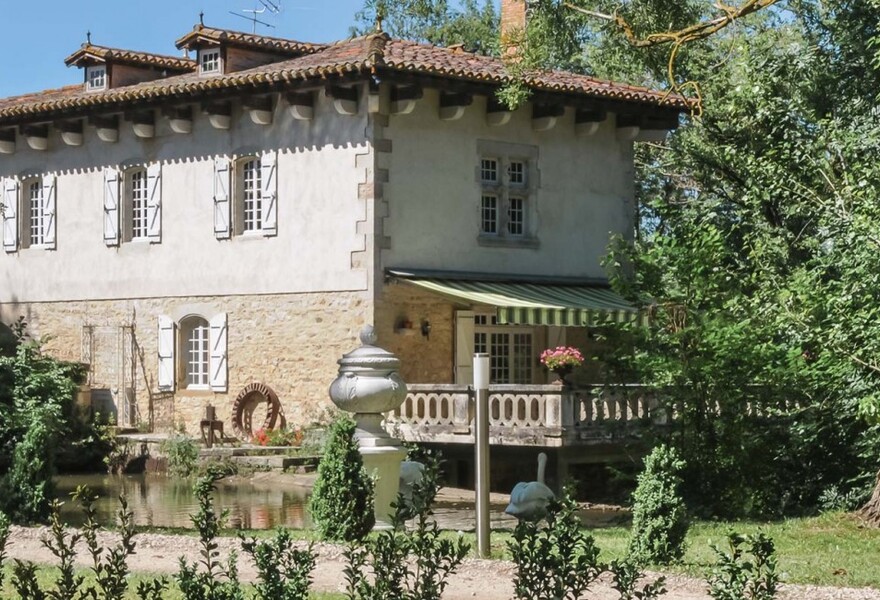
[[222, 224], [49, 194], [111, 206], [166, 353], [154, 203], [218, 364], [269, 181], [10, 214]]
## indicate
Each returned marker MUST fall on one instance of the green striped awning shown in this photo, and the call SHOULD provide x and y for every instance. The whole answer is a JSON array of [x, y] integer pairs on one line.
[[538, 303]]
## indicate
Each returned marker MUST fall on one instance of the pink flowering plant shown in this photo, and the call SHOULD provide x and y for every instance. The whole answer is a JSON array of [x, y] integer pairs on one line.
[[562, 358]]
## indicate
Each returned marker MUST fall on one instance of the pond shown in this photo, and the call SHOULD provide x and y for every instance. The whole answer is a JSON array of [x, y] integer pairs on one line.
[[160, 501]]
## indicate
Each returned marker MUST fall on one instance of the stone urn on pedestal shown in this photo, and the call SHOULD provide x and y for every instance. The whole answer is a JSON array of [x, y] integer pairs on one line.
[[369, 385]]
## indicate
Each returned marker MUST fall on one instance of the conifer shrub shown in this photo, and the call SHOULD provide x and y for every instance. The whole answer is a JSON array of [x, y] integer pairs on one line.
[[660, 520], [342, 499]]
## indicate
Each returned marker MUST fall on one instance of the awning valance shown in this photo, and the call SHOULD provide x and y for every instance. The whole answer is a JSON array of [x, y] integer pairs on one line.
[[531, 303]]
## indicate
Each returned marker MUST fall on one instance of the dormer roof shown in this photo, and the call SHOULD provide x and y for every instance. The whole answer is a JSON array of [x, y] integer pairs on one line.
[[90, 54], [201, 35]]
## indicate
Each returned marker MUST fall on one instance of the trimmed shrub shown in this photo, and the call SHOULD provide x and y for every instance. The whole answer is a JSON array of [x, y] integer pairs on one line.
[[660, 520], [342, 500]]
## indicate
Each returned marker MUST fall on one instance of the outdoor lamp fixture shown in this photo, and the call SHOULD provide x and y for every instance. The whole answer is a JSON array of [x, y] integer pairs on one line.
[[426, 328]]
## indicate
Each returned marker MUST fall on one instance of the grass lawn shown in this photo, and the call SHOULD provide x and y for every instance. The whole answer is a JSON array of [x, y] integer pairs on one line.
[[832, 549]]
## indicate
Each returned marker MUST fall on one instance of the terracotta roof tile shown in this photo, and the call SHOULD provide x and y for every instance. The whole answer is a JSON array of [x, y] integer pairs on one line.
[[176, 63], [452, 62], [249, 40], [357, 55]]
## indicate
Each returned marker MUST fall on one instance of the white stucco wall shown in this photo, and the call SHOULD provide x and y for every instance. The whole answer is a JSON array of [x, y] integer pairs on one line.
[[585, 193], [318, 212]]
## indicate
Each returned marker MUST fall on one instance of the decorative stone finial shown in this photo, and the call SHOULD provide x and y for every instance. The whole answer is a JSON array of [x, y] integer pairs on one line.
[[379, 18], [368, 336]]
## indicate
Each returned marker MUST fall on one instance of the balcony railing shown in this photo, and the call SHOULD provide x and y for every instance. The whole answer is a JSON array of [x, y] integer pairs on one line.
[[527, 415]]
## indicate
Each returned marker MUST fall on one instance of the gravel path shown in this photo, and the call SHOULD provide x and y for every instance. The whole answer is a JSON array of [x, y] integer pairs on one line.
[[484, 579]]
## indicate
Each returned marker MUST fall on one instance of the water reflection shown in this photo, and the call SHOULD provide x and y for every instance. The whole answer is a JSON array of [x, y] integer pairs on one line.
[[160, 501]]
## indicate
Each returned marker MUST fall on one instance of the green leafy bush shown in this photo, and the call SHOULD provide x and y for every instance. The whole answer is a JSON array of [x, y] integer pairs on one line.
[[556, 559], [182, 455], [660, 520], [342, 500], [36, 394], [284, 572], [402, 563], [737, 576], [215, 580]]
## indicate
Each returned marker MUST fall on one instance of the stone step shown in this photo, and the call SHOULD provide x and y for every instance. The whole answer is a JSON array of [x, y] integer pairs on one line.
[[298, 464]]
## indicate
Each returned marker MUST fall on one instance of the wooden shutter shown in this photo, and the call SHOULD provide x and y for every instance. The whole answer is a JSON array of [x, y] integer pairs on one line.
[[154, 203], [111, 206], [269, 193], [222, 228], [464, 347], [166, 353], [218, 353], [10, 215], [49, 193]]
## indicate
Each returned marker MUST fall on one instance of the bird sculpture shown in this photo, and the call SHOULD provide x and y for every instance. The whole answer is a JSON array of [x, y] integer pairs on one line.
[[411, 474], [529, 500]]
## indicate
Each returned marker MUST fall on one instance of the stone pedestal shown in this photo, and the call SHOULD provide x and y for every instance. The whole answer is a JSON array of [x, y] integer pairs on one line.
[[368, 386]]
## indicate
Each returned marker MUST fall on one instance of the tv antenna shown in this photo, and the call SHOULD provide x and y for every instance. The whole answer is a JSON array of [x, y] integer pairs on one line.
[[273, 7]]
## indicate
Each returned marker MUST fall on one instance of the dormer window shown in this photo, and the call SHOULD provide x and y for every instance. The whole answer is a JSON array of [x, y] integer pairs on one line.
[[209, 61], [96, 78]]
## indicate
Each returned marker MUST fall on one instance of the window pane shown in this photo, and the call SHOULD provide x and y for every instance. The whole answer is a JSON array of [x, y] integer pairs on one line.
[[480, 343], [489, 215], [137, 186], [210, 61], [197, 354], [517, 172], [252, 190], [97, 78], [35, 196], [489, 170], [516, 216], [499, 361], [522, 358]]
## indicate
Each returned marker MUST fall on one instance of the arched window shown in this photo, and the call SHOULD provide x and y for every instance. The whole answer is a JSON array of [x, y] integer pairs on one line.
[[192, 353], [195, 352]]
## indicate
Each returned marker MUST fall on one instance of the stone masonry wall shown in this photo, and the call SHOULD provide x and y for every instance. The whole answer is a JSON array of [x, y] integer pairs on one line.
[[289, 342], [423, 359]]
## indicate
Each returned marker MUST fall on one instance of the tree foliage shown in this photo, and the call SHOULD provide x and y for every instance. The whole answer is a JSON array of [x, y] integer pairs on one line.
[[474, 24]]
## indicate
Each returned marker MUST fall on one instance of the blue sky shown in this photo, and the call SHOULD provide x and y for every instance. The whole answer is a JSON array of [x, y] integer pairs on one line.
[[39, 34]]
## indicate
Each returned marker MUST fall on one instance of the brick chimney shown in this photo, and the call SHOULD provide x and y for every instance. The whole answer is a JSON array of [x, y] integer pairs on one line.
[[513, 22]]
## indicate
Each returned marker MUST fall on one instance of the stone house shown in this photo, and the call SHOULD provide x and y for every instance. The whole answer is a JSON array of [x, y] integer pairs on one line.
[[195, 227]]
